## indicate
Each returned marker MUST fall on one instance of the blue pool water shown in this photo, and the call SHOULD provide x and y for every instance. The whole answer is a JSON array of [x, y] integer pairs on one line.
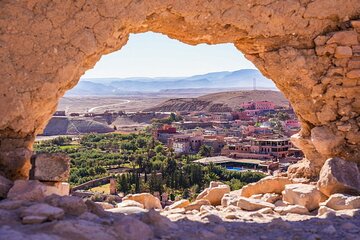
[[235, 168]]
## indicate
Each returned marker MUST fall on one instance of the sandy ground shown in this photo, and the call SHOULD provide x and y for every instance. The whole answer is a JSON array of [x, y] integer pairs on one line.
[[101, 104]]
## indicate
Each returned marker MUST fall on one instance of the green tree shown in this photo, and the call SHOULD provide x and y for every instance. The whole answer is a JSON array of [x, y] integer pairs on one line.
[[206, 151]]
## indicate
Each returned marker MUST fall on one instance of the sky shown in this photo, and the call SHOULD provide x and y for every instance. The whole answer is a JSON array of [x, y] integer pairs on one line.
[[156, 55]]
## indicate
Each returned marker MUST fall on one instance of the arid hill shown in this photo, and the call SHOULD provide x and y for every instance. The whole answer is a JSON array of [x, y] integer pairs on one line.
[[72, 126], [219, 102]]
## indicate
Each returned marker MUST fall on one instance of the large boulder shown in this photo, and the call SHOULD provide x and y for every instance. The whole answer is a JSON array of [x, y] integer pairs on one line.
[[266, 185], [304, 195], [51, 167], [341, 201], [214, 193], [339, 176], [5, 185], [146, 199], [252, 204]]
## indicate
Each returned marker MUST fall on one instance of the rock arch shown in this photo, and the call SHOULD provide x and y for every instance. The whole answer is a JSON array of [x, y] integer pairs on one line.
[[309, 48]]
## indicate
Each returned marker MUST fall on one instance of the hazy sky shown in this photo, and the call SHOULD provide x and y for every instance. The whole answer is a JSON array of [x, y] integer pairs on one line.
[[156, 55]]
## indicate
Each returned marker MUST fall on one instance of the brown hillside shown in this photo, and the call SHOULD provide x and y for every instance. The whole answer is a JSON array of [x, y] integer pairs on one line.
[[219, 102]]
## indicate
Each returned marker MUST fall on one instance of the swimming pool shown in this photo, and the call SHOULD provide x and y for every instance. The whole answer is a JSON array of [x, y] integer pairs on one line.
[[235, 168]]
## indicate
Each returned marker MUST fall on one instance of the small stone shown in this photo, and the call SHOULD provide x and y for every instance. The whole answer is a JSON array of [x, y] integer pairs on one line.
[[33, 219], [280, 203], [266, 211], [105, 205], [271, 197]]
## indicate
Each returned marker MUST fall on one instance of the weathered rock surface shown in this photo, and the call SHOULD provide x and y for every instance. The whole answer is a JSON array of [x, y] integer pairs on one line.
[[52, 44], [146, 199], [265, 185], [71, 205], [52, 167], [341, 201], [251, 204], [304, 195], [339, 176], [214, 193], [41, 212], [297, 209], [33, 190]]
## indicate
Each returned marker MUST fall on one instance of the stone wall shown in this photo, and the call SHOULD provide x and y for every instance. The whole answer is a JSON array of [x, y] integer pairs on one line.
[[46, 45]]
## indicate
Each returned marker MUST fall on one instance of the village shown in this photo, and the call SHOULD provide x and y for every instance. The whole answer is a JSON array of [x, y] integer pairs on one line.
[[256, 136]]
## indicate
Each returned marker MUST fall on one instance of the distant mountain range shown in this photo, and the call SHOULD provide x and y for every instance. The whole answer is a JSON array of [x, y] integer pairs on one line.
[[242, 79]]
